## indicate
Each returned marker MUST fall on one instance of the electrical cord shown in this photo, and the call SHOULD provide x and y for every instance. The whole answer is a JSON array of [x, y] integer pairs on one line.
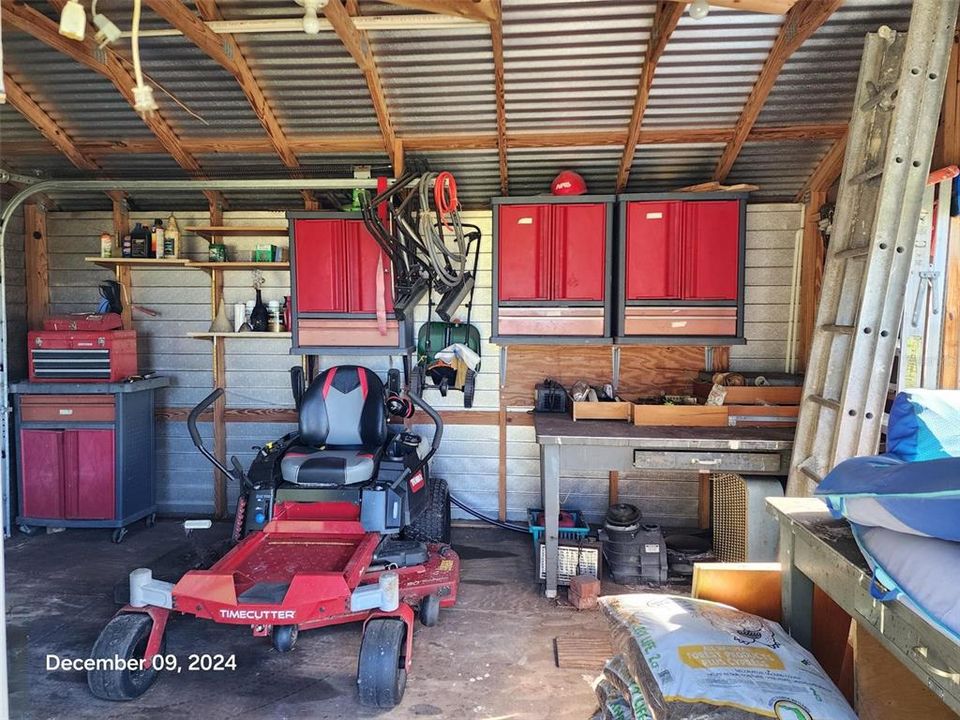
[[480, 516], [448, 264]]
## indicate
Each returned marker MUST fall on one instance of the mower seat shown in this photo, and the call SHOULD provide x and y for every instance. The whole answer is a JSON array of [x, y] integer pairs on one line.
[[343, 430]]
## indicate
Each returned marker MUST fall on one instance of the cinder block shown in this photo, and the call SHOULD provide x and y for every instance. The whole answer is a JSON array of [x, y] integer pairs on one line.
[[585, 586]]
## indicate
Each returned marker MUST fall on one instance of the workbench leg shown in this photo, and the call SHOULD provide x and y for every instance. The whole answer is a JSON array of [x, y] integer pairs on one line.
[[796, 591], [550, 492]]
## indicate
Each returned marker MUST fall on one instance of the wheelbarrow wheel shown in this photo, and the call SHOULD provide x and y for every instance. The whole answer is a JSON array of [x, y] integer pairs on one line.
[[469, 388], [124, 637], [285, 637], [433, 524], [381, 675]]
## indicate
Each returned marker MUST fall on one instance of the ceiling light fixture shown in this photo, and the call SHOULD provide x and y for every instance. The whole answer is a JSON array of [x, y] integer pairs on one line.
[[699, 9], [73, 20], [311, 21]]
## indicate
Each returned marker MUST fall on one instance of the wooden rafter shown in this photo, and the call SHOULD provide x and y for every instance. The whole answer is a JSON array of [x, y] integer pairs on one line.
[[665, 20], [224, 50], [799, 24], [455, 141], [827, 170], [775, 7], [358, 45], [500, 93], [106, 63], [479, 10], [47, 126]]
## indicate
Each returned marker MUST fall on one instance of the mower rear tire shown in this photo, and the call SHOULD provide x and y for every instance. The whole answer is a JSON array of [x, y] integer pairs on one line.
[[433, 524], [285, 637], [429, 611], [381, 671], [125, 636]]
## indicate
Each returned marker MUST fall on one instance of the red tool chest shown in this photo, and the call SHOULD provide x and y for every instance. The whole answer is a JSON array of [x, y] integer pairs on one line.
[[551, 254], [681, 266], [82, 356], [340, 279]]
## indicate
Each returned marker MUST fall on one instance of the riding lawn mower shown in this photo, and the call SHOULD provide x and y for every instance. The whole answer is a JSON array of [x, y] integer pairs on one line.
[[337, 522]]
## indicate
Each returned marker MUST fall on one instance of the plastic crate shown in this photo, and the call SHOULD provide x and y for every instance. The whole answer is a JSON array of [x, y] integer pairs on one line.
[[580, 530]]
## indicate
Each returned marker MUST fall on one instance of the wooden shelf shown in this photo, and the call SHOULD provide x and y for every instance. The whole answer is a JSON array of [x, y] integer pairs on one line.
[[211, 335], [110, 263], [239, 265], [209, 231]]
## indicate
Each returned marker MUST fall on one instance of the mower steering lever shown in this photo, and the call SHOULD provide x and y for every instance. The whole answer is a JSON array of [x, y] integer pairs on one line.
[[195, 433]]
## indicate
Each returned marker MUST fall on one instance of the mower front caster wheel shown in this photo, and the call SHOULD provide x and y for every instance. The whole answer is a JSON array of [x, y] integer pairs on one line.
[[429, 611], [285, 637], [381, 675], [29, 530], [118, 535], [124, 637]]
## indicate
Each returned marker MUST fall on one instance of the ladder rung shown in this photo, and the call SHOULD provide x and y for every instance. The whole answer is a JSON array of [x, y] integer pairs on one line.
[[824, 402], [866, 175], [853, 252], [809, 473], [838, 329]]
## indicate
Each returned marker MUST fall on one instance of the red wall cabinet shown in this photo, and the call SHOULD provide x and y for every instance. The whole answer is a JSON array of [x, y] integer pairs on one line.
[[552, 268], [340, 277], [86, 457], [681, 266]]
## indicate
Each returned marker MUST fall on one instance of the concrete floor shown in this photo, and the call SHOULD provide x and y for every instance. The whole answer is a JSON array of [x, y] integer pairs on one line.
[[490, 657]]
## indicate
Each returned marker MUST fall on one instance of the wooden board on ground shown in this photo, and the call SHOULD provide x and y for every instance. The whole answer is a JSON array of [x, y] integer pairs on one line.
[[583, 652], [603, 411], [681, 415], [886, 690], [752, 586]]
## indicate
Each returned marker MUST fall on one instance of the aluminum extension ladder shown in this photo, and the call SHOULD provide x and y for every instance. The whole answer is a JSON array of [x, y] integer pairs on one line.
[[889, 147]]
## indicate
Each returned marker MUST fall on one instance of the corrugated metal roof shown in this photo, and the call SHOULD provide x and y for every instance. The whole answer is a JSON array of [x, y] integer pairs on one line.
[[569, 67]]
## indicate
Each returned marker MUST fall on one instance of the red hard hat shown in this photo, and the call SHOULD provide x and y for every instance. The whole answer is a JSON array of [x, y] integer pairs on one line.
[[568, 182]]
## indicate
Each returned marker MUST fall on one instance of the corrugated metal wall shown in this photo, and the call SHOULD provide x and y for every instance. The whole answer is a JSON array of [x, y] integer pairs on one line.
[[257, 369]]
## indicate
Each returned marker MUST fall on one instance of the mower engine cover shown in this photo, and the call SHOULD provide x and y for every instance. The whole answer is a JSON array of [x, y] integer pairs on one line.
[[568, 182]]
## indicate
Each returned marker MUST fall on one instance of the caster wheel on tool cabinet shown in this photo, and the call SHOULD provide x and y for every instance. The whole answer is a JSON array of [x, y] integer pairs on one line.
[[381, 675], [151, 520], [125, 636], [118, 535], [285, 637], [29, 530], [429, 611]]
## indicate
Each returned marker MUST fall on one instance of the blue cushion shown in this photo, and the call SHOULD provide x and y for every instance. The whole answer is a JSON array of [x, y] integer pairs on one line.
[[918, 498], [924, 425]]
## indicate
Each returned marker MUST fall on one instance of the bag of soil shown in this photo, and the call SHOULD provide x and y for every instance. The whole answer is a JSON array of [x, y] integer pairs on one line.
[[616, 672], [612, 703], [698, 660]]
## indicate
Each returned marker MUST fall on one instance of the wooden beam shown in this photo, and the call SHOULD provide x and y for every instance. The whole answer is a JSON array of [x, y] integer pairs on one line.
[[827, 171], [800, 23], [773, 7], [121, 227], [105, 62], [36, 263], [358, 45], [811, 274], [950, 149], [46, 125], [665, 20], [479, 10], [500, 95], [454, 141]]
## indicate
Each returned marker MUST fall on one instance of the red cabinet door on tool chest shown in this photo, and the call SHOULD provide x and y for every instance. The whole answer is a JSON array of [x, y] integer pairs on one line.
[[579, 237], [41, 462], [653, 250], [711, 249], [337, 263], [523, 252], [320, 249], [88, 488]]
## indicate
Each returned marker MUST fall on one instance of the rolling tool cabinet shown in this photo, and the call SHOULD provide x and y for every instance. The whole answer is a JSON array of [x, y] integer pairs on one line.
[[86, 454], [680, 268], [339, 279], [552, 269]]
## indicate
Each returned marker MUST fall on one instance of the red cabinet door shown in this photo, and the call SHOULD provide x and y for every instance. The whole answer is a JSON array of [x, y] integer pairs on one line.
[[364, 260], [41, 467], [89, 480], [653, 251], [320, 247], [711, 249], [579, 238], [523, 250]]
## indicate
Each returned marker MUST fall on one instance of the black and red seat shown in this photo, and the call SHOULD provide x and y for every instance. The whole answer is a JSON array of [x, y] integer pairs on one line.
[[343, 430]]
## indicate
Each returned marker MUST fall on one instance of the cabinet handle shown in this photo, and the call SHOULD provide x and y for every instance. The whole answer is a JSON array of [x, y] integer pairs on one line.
[[921, 655], [701, 461]]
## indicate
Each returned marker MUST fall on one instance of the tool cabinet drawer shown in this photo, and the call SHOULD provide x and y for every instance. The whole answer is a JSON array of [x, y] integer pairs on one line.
[[67, 408], [711, 461]]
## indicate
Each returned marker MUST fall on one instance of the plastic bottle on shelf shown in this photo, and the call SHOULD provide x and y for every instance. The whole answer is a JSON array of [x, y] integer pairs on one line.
[[171, 238], [156, 239]]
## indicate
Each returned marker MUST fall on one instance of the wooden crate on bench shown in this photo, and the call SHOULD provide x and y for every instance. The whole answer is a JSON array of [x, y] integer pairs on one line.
[[602, 410], [681, 415]]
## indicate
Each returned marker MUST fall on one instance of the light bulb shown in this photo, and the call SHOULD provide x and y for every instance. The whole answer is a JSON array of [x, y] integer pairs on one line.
[[73, 20], [699, 9], [311, 23]]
